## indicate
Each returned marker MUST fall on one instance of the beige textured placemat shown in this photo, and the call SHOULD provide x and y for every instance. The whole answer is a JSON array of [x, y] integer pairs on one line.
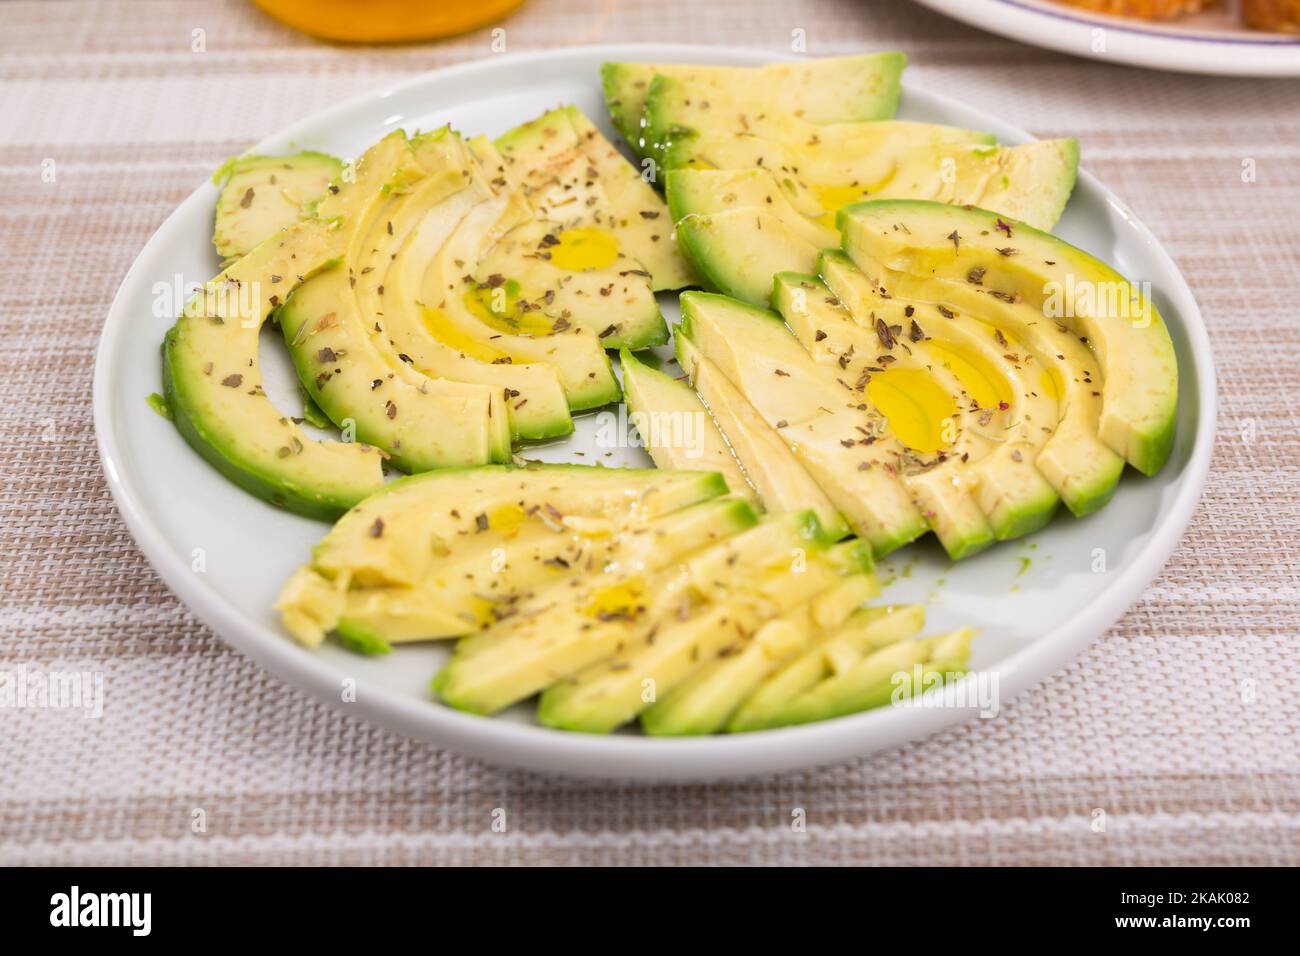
[[1180, 724]]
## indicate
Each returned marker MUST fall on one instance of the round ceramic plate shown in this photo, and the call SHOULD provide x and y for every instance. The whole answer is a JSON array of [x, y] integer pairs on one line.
[[1211, 41], [226, 553]]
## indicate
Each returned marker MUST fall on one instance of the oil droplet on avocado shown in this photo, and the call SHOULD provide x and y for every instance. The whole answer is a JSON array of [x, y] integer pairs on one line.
[[623, 599], [586, 248], [506, 518], [915, 405], [982, 383], [498, 308], [442, 328], [833, 197]]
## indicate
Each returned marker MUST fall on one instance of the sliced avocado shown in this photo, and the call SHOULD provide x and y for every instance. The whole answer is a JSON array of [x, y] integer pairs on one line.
[[819, 167], [421, 423], [866, 631], [589, 617], [828, 90], [574, 268], [1031, 182], [440, 553], [612, 692], [740, 250], [827, 422], [488, 312], [782, 483], [881, 677], [924, 404], [1119, 323], [573, 175], [788, 217], [1010, 408], [702, 702], [534, 396], [260, 195], [213, 385], [676, 428]]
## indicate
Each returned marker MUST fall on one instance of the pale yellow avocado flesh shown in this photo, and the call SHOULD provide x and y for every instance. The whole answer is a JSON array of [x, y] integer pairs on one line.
[[261, 195], [826, 421], [441, 553], [781, 481], [702, 701], [1011, 407], [573, 175], [578, 623], [676, 428], [213, 385], [866, 631], [923, 403], [1060, 282], [611, 693], [532, 393]]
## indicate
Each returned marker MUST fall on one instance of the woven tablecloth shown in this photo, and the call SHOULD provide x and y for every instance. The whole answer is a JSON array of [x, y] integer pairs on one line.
[[1180, 724]]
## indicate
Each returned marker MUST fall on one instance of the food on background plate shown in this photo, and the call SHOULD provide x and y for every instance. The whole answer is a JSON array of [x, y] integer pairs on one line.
[[1277, 15]]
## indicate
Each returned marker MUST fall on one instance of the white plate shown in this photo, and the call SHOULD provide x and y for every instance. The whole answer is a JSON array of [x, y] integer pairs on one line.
[[186, 516], [1212, 41]]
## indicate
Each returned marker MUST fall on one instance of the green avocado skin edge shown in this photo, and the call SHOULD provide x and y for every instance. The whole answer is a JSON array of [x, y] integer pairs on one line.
[[273, 491]]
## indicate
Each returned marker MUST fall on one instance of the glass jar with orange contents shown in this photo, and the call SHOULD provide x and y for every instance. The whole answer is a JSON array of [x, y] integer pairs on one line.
[[386, 21]]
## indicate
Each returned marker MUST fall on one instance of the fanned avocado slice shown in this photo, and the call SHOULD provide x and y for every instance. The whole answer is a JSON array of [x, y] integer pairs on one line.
[[587, 617], [898, 672], [865, 632], [702, 702], [826, 422], [1008, 262], [574, 176], [213, 385], [782, 483], [738, 226], [822, 91], [445, 553], [761, 587], [260, 195], [924, 404], [1011, 404], [676, 428]]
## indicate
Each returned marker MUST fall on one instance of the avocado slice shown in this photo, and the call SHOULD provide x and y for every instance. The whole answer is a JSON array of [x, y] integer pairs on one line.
[[829, 90], [442, 553], [352, 372], [782, 483], [535, 400], [582, 620], [676, 427], [1012, 408], [897, 671], [260, 195], [825, 421], [702, 702], [1017, 264], [571, 174], [421, 423], [610, 693], [594, 283], [866, 631], [465, 307], [788, 217], [924, 404], [213, 385]]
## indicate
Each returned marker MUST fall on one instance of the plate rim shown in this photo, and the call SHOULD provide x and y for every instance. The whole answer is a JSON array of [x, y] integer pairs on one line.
[[644, 758], [1130, 44]]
